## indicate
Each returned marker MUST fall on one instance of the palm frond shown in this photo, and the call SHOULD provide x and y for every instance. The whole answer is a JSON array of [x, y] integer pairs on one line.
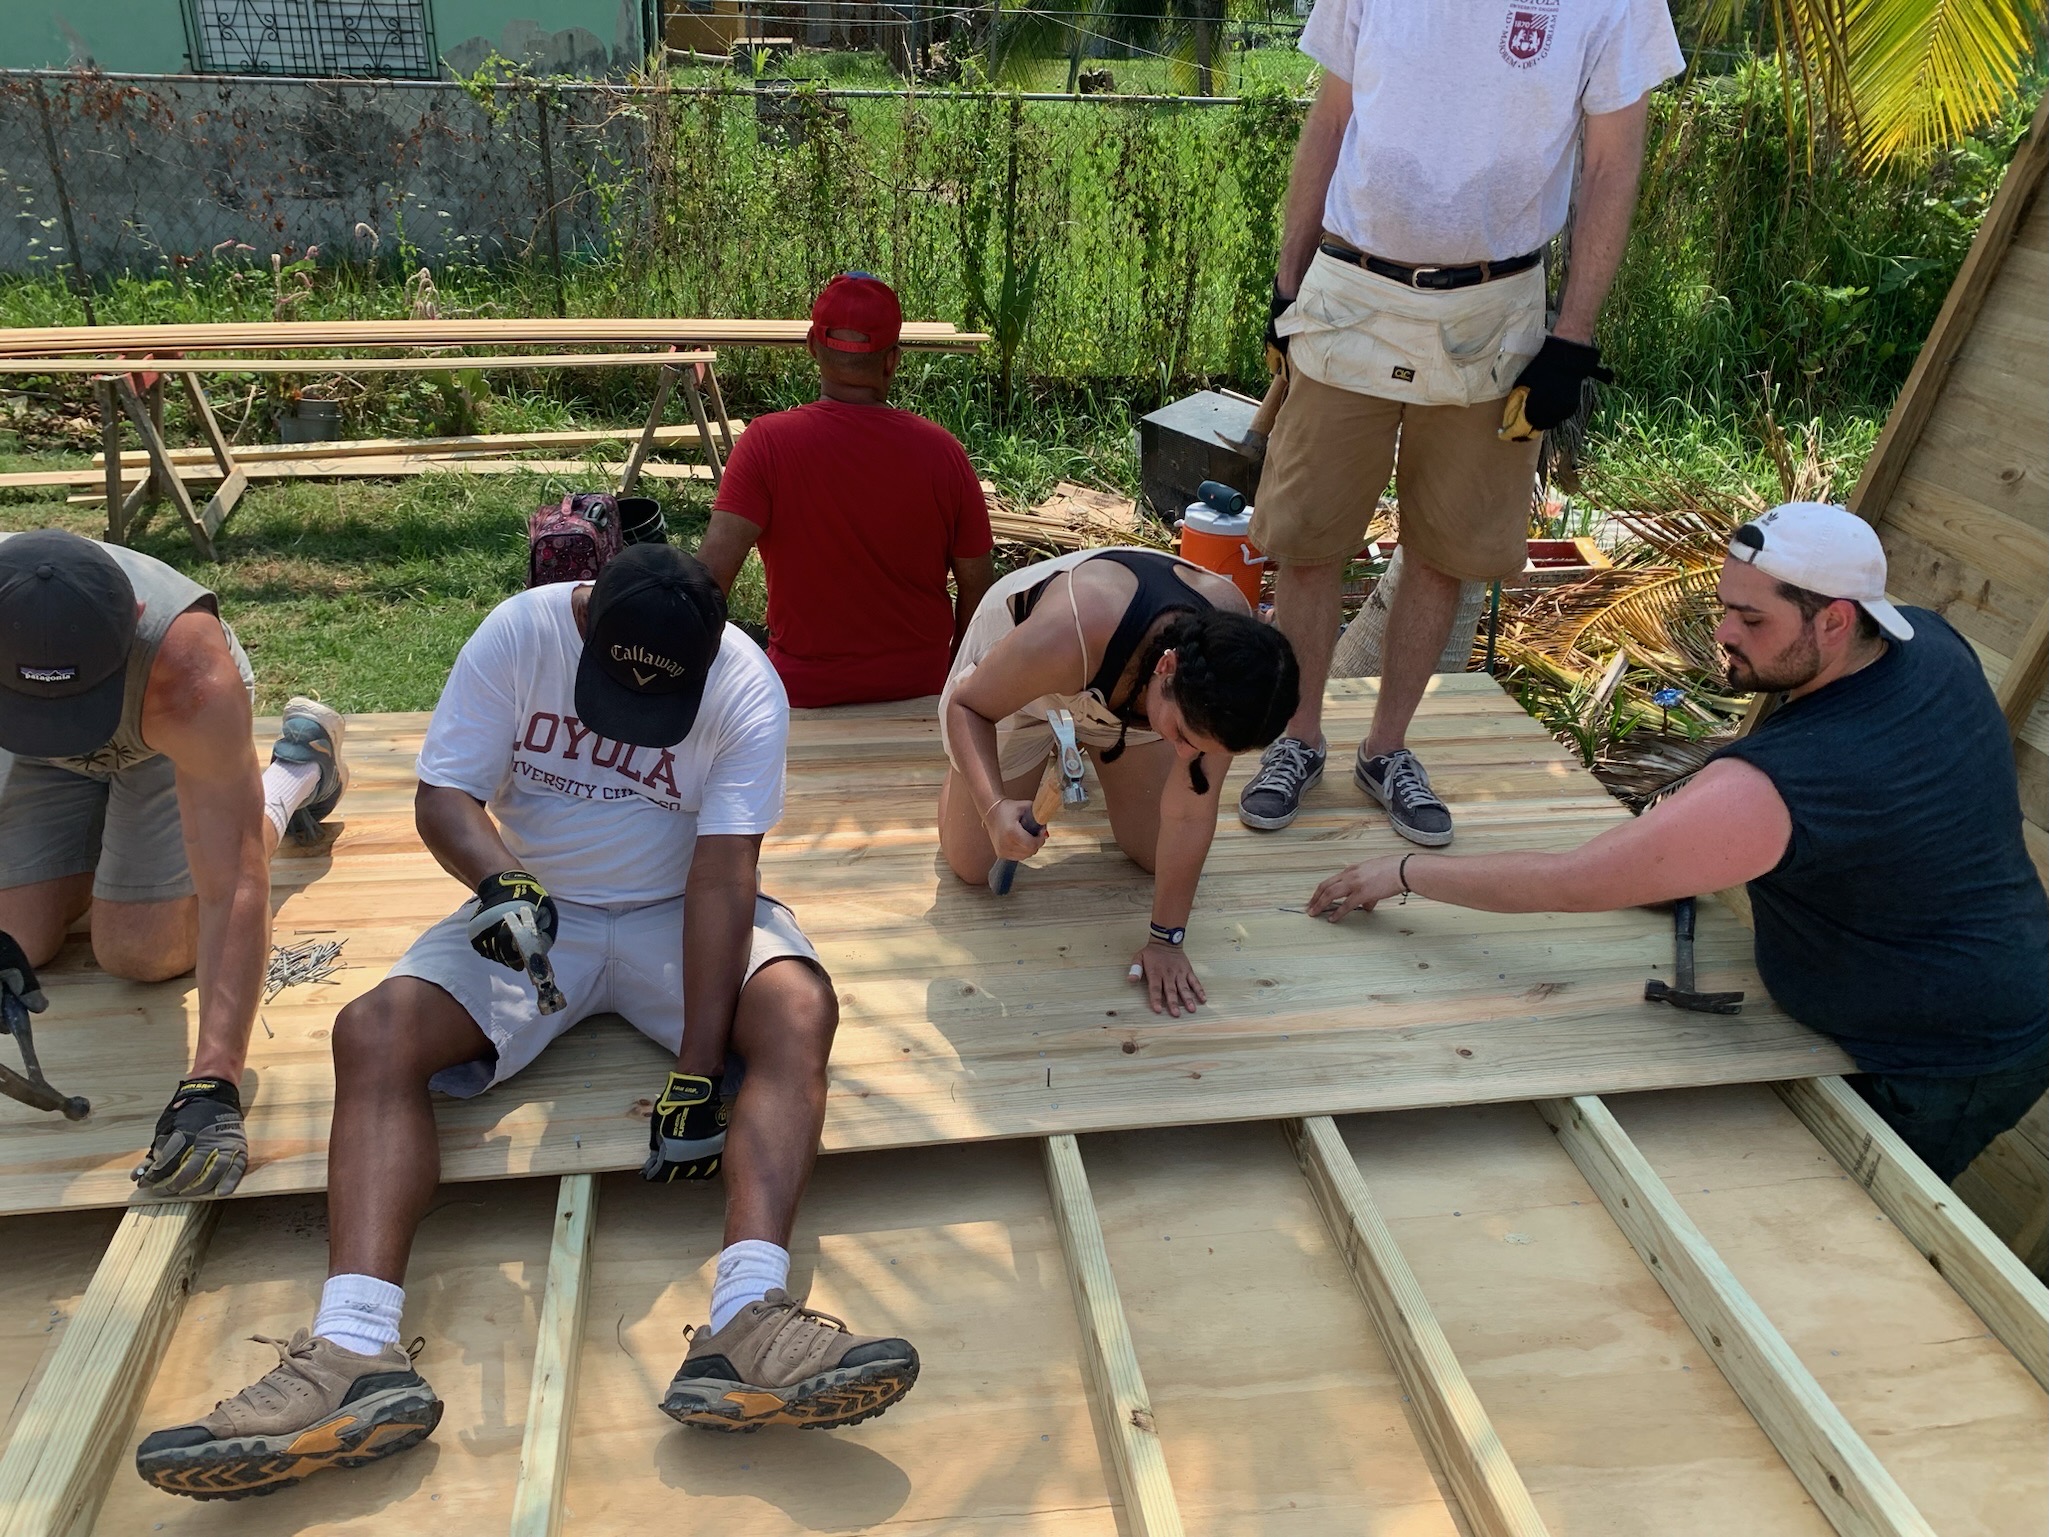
[[1926, 72], [1666, 625]]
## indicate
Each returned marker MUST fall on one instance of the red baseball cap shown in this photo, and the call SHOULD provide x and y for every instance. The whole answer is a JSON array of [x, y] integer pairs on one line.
[[862, 303]]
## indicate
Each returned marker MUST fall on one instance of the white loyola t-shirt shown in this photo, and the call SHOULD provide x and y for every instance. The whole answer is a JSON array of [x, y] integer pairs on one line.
[[602, 822], [1466, 114]]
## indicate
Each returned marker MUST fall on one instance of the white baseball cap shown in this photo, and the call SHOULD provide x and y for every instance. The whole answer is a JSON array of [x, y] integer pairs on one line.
[[1826, 549]]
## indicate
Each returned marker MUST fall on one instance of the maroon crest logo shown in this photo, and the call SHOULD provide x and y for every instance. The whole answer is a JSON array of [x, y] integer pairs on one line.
[[1527, 36]]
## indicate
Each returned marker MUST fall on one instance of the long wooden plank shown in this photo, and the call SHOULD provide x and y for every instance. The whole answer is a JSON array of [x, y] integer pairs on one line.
[[551, 1403], [2020, 688], [55, 1469], [2017, 193], [1985, 1273], [159, 340], [1849, 1484], [1490, 1491], [396, 467], [1107, 1355], [482, 443], [432, 363]]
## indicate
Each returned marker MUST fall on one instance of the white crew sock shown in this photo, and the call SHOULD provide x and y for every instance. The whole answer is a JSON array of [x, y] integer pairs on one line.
[[287, 787], [748, 1271], [359, 1313]]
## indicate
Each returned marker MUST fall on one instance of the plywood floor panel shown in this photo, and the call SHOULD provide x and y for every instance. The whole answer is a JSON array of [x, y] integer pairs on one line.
[[1278, 1411], [1617, 1419], [473, 1291], [955, 1250], [965, 1016], [1886, 1337]]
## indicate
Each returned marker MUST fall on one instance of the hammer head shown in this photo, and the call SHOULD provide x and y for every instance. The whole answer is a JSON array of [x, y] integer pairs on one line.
[[1655, 991], [1073, 792]]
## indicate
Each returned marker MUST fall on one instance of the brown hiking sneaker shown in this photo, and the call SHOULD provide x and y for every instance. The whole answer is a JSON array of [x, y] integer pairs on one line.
[[320, 1407], [778, 1363]]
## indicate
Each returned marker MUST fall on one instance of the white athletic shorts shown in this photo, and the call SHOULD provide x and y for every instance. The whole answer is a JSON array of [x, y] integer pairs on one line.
[[607, 960]]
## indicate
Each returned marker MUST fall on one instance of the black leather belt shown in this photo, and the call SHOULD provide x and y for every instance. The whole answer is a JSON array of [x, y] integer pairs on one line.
[[1433, 277]]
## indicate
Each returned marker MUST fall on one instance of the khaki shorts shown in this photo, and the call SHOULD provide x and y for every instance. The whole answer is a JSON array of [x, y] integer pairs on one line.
[[1464, 494], [607, 960], [123, 829]]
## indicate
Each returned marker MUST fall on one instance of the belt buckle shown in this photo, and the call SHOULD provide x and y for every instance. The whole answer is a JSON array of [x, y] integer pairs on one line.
[[1416, 278]]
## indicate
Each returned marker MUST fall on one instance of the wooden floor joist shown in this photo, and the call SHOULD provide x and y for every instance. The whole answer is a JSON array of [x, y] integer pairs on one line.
[[74, 1431], [1985, 1273], [1107, 1355], [1851, 1486], [1489, 1490], [551, 1403]]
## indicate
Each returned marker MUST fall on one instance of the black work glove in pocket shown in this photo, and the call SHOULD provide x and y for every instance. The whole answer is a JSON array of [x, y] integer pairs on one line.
[[1547, 391]]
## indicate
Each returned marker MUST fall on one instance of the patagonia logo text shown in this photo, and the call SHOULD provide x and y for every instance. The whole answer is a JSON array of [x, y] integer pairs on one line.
[[47, 674]]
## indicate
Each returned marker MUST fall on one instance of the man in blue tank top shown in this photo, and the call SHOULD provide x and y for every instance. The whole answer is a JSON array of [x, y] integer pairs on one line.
[[1876, 819]]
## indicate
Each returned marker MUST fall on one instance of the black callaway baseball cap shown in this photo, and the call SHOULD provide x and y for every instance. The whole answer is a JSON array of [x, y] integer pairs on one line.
[[67, 621], [653, 631]]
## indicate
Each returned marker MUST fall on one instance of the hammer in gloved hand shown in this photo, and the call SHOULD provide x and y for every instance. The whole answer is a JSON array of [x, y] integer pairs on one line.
[[514, 925]]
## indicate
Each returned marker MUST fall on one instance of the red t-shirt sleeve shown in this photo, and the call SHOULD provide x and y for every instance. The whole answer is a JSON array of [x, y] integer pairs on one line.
[[745, 488], [971, 536]]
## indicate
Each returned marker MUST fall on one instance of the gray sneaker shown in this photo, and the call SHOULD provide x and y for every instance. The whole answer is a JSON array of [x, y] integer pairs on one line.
[[312, 733], [320, 1407], [1399, 783], [1273, 796]]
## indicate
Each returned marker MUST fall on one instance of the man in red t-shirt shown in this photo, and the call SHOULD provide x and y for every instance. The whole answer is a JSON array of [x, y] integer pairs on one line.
[[860, 511]]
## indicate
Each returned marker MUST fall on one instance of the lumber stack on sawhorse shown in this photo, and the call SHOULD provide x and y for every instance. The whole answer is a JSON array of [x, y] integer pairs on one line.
[[140, 397]]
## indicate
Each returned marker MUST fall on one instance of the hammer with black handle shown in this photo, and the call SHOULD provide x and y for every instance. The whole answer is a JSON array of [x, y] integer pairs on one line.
[[1682, 995], [1061, 785]]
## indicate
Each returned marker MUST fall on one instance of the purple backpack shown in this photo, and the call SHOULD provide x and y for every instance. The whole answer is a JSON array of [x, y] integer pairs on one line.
[[571, 542]]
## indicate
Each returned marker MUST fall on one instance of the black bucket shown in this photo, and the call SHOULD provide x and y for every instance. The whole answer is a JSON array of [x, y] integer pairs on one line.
[[640, 521]]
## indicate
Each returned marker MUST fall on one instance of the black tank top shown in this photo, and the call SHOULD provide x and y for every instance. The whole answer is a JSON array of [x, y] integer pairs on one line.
[[1160, 591]]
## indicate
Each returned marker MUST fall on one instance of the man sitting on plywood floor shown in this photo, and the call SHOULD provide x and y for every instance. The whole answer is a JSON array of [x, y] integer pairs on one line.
[[601, 767]]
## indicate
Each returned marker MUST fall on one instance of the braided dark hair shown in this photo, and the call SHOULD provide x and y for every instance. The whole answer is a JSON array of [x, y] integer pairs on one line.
[[1235, 680]]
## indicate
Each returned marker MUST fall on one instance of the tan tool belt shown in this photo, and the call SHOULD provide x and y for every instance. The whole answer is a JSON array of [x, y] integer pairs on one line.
[[1358, 331]]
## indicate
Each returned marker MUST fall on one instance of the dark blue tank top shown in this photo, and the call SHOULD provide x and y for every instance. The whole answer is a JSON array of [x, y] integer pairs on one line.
[[1905, 919]]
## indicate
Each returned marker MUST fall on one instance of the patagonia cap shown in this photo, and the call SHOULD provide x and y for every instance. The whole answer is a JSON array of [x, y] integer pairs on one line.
[[67, 621], [655, 622], [859, 302], [1825, 549]]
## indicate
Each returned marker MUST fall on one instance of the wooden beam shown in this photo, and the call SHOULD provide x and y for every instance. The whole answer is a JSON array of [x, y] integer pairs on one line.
[[110, 453], [160, 464], [154, 344], [1489, 1490], [443, 363], [2020, 686], [222, 502], [544, 1453], [1108, 1358], [71, 1434], [396, 467], [1846, 1480], [203, 409], [1910, 412], [629, 477], [479, 443], [1935, 1220]]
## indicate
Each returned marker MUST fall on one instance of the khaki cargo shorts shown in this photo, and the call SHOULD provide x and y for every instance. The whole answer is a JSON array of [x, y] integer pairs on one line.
[[1464, 494]]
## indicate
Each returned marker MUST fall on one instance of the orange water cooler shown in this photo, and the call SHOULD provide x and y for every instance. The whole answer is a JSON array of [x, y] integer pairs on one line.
[[1220, 540]]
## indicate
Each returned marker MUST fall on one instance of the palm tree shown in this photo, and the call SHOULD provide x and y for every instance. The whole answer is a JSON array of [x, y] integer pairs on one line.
[[1889, 79]]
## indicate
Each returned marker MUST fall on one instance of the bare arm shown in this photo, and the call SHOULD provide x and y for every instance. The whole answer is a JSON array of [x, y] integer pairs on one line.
[[197, 713], [1727, 827], [1611, 161], [725, 545], [1316, 158], [718, 929], [973, 576], [1188, 825], [460, 834]]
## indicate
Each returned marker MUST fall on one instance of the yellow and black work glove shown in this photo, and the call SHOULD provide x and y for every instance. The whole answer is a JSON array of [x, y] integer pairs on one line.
[[687, 1132], [501, 897], [1277, 305], [200, 1147], [18, 978], [1548, 389]]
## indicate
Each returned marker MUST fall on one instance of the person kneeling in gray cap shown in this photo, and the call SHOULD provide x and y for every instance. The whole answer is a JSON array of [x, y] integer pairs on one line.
[[600, 768], [1876, 818], [130, 791]]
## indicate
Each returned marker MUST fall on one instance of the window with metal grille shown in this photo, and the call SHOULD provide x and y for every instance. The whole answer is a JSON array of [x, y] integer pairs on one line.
[[392, 38]]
